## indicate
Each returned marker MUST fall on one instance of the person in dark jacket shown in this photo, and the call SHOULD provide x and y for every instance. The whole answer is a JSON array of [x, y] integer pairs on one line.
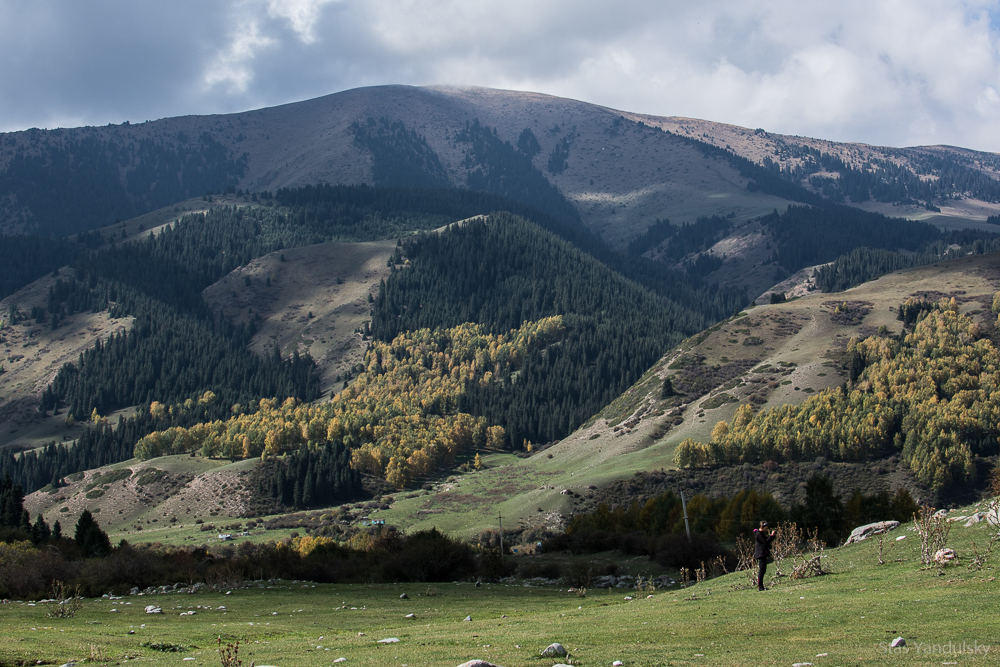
[[762, 551]]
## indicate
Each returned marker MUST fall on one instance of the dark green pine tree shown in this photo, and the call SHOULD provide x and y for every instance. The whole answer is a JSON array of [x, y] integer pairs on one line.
[[40, 532], [89, 536], [309, 490]]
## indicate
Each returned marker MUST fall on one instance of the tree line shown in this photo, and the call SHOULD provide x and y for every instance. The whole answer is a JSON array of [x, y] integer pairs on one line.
[[930, 395], [400, 419], [71, 184], [317, 477], [505, 271], [726, 518]]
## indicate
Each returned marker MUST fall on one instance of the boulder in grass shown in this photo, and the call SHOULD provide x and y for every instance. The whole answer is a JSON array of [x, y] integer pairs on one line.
[[943, 556], [477, 663], [555, 650], [898, 642], [864, 532], [404, 596], [153, 609], [388, 640]]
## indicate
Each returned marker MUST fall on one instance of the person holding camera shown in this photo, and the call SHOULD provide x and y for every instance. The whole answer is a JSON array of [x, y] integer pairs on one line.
[[762, 551]]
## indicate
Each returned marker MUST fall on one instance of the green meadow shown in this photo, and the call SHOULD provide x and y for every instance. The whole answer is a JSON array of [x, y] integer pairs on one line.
[[847, 617]]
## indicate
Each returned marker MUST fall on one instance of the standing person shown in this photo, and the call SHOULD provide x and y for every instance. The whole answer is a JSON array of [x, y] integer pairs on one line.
[[762, 551]]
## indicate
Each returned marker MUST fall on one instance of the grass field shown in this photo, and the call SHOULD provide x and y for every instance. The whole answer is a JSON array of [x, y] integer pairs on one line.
[[845, 618]]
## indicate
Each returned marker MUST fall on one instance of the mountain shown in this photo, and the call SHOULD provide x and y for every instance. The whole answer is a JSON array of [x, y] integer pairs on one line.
[[489, 272], [768, 357], [621, 171]]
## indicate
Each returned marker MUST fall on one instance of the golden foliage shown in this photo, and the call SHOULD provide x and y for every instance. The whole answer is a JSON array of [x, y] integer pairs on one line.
[[935, 395], [400, 417]]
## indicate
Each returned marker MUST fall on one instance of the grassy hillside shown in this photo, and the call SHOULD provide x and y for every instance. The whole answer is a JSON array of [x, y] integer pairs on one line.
[[801, 351], [849, 616]]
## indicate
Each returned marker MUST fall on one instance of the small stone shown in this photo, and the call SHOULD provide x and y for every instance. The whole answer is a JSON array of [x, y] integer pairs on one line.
[[404, 596], [341, 660], [153, 609], [477, 663], [617, 663], [467, 618], [898, 642], [388, 640], [801, 664], [410, 616], [554, 650], [131, 632]]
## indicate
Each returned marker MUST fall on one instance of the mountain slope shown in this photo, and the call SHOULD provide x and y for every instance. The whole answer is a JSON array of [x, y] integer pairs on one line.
[[620, 175], [795, 349]]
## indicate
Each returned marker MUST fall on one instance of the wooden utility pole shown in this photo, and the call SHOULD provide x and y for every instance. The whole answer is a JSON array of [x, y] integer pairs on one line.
[[500, 519], [687, 524]]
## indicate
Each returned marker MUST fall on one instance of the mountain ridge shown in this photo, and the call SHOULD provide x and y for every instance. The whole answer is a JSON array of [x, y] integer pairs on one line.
[[620, 177]]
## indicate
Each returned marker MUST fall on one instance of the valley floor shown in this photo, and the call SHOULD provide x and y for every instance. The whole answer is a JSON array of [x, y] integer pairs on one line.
[[844, 618]]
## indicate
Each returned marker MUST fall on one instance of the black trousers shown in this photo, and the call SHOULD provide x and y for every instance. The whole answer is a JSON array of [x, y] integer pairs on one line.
[[761, 569]]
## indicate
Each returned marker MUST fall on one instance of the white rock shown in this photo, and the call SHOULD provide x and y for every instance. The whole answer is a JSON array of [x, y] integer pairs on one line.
[[801, 664], [945, 555], [975, 518], [898, 642], [477, 663], [404, 596], [864, 532], [554, 650], [617, 663], [153, 609], [341, 660], [467, 618], [388, 640], [901, 537], [410, 616]]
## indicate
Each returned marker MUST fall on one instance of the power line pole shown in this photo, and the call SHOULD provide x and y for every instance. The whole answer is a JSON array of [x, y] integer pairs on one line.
[[500, 519], [687, 524]]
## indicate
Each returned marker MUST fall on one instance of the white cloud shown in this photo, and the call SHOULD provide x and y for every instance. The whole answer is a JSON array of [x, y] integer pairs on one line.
[[233, 65], [300, 14]]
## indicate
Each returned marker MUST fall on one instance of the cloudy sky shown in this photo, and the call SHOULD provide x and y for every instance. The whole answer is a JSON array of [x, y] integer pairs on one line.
[[894, 72]]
